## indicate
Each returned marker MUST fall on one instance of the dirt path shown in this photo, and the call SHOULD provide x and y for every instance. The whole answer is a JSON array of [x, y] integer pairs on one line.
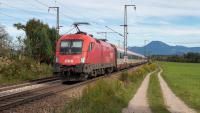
[[139, 103], [175, 105]]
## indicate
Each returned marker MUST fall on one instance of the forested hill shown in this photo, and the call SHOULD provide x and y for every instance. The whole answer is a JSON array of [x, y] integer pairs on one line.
[[161, 48]]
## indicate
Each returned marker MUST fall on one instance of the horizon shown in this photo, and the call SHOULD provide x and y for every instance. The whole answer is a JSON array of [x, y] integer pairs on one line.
[[164, 43], [174, 24]]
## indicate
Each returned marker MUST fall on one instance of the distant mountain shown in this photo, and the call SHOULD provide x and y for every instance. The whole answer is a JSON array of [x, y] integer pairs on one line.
[[161, 48]]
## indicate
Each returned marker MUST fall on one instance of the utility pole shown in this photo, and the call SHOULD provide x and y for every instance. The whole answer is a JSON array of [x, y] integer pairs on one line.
[[126, 27], [58, 13]]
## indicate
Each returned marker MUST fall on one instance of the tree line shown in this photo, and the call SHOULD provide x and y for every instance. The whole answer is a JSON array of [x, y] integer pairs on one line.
[[38, 44], [187, 58]]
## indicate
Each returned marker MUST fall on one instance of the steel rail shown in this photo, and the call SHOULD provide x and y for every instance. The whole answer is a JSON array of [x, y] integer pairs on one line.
[[32, 82]]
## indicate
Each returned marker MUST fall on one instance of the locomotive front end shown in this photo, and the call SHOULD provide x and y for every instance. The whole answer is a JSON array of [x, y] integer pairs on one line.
[[70, 55]]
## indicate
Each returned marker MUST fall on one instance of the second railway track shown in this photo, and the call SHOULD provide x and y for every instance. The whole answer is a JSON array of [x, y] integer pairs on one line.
[[11, 101], [32, 82]]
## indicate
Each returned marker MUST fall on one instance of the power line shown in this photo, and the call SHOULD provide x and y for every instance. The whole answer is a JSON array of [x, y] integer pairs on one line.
[[43, 4], [105, 33], [115, 31], [66, 16], [69, 30], [13, 17], [27, 11], [80, 14], [31, 4]]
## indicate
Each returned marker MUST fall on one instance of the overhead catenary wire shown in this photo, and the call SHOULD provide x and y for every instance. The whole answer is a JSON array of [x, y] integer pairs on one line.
[[69, 30], [83, 16], [13, 17], [47, 6], [24, 10], [80, 14], [41, 3]]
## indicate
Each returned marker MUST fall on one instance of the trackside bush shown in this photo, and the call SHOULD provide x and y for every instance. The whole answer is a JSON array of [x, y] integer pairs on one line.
[[134, 75], [15, 70], [108, 95], [124, 76]]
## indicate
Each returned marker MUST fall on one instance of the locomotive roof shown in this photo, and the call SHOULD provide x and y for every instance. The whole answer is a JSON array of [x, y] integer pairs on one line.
[[118, 48]]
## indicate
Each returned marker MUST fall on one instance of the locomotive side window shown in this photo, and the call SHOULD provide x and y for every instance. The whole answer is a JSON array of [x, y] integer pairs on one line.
[[121, 55], [118, 54], [90, 47]]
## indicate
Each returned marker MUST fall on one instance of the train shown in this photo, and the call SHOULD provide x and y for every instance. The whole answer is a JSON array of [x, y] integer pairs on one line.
[[80, 56]]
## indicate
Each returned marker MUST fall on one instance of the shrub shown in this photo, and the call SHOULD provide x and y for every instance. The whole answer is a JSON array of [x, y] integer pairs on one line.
[[134, 75], [124, 76], [13, 71]]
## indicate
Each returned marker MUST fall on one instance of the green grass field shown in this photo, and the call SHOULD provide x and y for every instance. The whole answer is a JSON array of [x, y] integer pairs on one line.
[[155, 98], [184, 80]]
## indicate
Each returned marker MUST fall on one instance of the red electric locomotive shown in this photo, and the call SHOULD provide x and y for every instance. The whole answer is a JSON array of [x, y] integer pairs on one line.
[[79, 56]]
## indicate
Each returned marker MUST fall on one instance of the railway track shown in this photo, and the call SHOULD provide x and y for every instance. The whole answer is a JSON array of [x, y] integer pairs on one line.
[[10, 101], [32, 82], [52, 88]]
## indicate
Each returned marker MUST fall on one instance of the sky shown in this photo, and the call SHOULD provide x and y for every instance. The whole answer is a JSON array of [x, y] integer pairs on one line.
[[175, 22]]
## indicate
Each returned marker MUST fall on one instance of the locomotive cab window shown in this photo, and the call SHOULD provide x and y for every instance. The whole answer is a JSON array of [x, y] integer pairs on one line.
[[71, 46]]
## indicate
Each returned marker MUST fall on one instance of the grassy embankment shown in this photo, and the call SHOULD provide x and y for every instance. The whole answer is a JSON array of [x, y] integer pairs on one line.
[[184, 80], [155, 97], [109, 95], [16, 71]]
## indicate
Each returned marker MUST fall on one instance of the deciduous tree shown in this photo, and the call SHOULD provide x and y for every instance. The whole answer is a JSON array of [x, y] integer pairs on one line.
[[40, 40]]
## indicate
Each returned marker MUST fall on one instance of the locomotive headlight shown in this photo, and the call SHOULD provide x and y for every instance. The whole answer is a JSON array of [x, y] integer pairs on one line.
[[56, 59], [83, 60]]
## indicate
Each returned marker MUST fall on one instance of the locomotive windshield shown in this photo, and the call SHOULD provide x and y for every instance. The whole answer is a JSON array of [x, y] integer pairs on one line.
[[71, 47]]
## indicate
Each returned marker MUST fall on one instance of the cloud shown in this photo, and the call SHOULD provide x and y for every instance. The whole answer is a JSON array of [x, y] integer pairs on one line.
[[154, 19]]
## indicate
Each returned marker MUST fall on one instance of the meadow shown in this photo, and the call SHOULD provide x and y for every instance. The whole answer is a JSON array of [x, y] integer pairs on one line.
[[184, 80]]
